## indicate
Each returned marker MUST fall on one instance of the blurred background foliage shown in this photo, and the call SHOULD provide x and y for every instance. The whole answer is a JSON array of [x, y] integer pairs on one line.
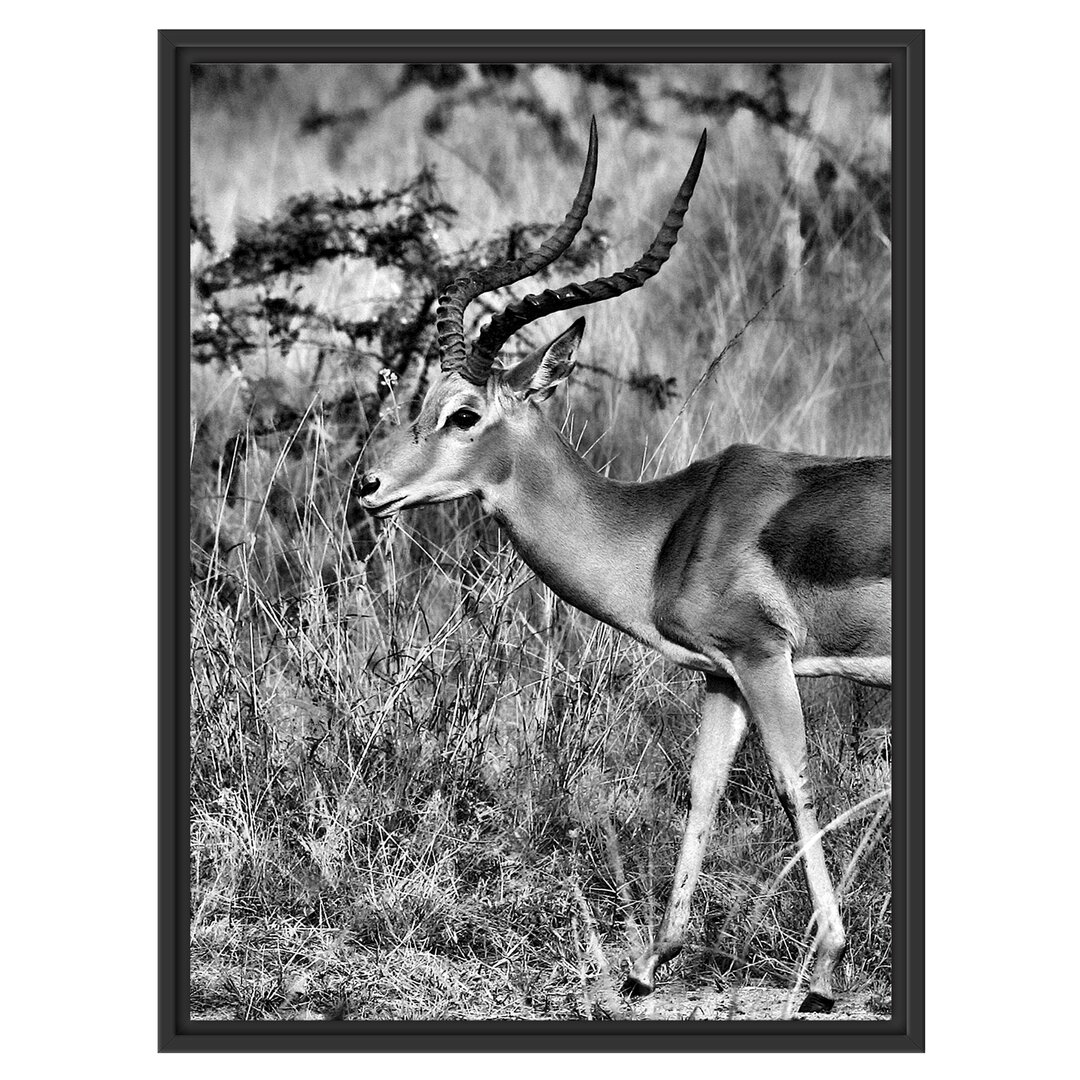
[[407, 755]]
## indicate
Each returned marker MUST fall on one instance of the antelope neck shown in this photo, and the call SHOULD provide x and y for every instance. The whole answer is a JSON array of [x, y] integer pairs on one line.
[[593, 541]]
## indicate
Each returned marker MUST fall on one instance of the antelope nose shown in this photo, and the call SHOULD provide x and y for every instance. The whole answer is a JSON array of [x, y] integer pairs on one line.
[[369, 484]]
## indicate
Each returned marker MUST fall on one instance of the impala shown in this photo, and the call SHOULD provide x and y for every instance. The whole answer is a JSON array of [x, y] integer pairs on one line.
[[752, 567]]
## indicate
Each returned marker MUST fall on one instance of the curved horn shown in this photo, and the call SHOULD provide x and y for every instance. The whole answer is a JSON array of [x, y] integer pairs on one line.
[[450, 314], [516, 315]]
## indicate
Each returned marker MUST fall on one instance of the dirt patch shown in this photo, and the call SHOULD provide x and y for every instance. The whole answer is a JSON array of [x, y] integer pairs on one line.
[[680, 1001], [238, 973]]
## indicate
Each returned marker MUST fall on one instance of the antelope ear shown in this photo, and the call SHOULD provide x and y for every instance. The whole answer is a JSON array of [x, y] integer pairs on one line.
[[540, 373]]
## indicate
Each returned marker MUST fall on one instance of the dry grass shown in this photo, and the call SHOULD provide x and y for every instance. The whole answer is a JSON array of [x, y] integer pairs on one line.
[[422, 786]]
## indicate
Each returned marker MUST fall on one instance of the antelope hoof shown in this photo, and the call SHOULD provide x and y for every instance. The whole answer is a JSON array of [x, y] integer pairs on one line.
[[641, 978], [635, 987], [817, 1003]]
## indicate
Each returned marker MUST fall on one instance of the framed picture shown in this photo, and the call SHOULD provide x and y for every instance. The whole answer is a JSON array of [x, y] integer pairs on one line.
[[541, 569]]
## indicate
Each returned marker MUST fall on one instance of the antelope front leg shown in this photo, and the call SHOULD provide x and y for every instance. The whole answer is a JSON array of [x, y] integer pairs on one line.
[[723, 724], [773, 698]]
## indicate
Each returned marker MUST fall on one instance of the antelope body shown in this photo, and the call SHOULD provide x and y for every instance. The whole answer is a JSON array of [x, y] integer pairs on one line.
[[753, 566]]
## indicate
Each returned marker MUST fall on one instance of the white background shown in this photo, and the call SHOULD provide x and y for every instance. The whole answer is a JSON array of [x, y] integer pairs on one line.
[[79, 468]]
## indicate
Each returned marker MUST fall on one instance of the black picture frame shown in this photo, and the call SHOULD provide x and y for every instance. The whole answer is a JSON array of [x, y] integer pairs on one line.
[[904, 49]]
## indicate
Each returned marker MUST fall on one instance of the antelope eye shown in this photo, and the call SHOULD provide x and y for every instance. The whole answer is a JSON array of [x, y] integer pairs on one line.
[[464, 418]]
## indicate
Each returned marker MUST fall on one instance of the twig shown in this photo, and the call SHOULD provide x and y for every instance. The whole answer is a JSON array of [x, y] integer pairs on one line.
[[717, 360]]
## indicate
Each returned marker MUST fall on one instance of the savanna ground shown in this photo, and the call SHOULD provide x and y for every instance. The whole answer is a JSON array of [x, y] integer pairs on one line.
[[421, 786]]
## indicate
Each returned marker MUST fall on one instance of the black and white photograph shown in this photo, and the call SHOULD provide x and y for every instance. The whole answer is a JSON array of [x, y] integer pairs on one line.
[[542, 559], [539, 550]]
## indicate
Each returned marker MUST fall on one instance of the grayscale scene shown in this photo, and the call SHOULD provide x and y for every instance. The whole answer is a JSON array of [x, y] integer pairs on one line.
[[541, 542]]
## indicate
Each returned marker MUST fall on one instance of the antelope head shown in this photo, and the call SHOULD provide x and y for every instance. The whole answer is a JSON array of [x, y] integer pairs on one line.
[[482, 411]]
